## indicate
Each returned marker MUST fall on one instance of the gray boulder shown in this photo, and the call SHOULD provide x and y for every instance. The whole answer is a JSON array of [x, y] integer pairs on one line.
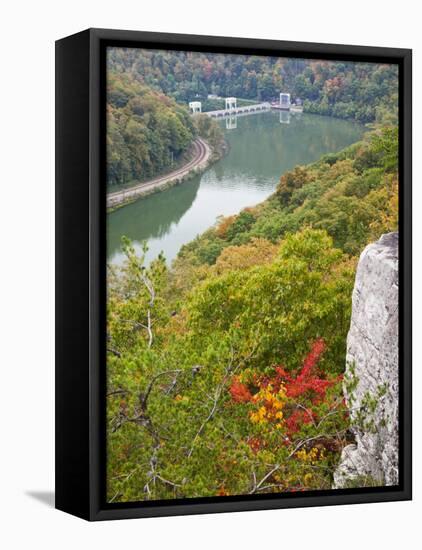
[[371, 379]]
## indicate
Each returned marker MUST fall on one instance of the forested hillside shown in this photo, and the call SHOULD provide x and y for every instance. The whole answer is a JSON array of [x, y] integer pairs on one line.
[[352, 195], [225, 371], [147, 132], [362, 91], [149, 128]]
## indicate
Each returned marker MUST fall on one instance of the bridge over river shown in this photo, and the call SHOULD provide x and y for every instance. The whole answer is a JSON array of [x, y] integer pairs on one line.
[[245, 110]]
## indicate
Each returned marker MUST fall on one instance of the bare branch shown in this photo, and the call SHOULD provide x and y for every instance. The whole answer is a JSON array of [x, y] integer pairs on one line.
[[269, 474], [303, 442], [307, 411], [229, 371], [167, 481], [144, 397], [117, 392], [114, 351]]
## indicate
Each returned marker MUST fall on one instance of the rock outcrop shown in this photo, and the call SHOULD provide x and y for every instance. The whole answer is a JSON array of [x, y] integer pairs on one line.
[[371, 378]]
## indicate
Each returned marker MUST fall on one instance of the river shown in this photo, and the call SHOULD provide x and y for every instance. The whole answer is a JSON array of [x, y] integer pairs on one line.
[[262, 148]]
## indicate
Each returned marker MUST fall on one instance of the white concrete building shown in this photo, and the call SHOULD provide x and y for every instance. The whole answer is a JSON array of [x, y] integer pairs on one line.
[[195, 106], [285, 101], [231, 103]]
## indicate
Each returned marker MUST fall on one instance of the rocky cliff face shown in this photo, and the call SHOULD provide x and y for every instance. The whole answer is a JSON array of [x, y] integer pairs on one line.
[[371, 378]]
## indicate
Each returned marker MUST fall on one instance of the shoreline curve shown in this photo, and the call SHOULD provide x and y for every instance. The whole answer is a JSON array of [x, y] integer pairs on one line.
[[198, 163]]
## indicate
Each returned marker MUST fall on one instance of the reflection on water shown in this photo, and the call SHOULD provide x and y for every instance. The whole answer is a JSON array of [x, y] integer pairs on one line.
[[153, 218], [262, 148], [231, 123], [285, 117]]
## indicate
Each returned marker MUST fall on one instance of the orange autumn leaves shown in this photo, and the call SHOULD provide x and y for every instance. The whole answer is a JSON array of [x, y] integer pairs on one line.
[[239, 391]]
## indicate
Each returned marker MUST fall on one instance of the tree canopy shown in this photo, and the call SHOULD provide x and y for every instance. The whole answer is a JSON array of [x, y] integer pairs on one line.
[[146, 131], [224, 371], [365, 92]]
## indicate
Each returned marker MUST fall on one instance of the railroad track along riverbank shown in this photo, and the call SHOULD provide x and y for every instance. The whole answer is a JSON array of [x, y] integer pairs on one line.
[[200, 159]]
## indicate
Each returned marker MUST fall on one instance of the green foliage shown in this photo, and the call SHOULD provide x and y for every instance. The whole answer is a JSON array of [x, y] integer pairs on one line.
[[224, 371], [236, 305], [386, 145], [242, 223], [289, 182], [363, 481], [209, 252], [210, 130], [264, 305], [362, 91], [146, 131], [365, 417], [352, 195], [173, 429]]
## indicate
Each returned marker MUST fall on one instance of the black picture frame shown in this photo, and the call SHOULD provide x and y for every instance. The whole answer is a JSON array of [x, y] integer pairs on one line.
[[80, 272]]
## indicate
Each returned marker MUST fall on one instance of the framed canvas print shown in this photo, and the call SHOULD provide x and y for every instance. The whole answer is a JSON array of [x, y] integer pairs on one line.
[[233, 274]]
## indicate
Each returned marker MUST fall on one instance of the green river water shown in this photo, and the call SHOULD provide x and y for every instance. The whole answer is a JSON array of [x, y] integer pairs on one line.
[[262, 148]]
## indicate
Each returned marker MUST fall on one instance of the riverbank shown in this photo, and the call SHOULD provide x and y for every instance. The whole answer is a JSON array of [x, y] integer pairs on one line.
[[255, 154], [276, 278], [202, 156]]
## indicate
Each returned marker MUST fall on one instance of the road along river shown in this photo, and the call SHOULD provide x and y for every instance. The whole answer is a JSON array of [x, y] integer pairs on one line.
[[200, 158], [262, 148]]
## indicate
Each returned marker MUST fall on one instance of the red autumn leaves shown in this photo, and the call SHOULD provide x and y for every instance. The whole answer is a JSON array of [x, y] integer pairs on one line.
[[239, 391], [306, 387], [307, 380]]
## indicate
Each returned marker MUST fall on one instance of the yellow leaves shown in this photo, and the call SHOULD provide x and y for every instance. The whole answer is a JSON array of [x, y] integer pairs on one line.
[[258, 251], [259, 417], [310, 457], [340, 168], [277, 405], [386, 200], [181, 399], [308, 478], [271, 404], [223, 225]]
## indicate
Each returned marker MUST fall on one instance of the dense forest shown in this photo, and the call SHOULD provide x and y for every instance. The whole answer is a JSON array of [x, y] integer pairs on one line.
[[148, 132], [352, 195], [366, 92], [149, 129], [225, 370]]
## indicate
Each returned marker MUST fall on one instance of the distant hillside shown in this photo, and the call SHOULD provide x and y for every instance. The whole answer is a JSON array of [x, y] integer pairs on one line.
[[362, 91]]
